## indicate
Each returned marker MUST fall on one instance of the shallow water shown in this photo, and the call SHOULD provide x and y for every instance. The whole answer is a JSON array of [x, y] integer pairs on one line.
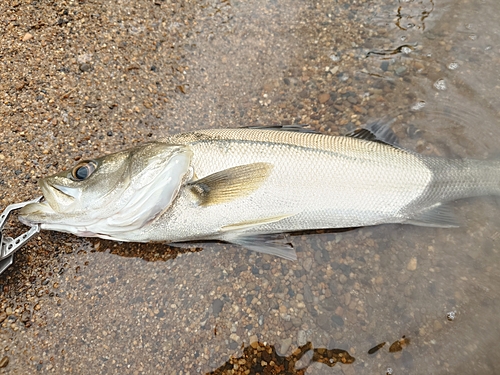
[[93, 306]]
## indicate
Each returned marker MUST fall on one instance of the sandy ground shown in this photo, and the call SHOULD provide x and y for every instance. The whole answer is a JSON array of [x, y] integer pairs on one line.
[[80, 79]]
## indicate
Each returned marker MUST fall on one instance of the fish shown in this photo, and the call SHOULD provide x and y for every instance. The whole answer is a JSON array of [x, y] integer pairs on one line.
[[252, 186]]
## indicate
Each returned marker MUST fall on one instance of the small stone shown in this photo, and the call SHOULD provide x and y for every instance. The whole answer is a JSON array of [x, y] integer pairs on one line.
[[3, 316], [338, 320], [27, 37], [323, 98], [307, 264], [217, 305], [451, 316], [234, 337], [352, 100], [253, 339], [400, 71], [285, 345], [342, 279], [301, 337], [412, 264], [308, 296], [418, 65], [347, 298], [4, 362], [85, 67]]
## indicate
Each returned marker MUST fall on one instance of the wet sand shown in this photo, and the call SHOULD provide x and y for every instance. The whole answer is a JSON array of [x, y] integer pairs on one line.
[[79, 79]]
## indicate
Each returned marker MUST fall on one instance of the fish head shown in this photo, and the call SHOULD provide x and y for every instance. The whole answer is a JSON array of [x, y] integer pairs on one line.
[[112, 196]]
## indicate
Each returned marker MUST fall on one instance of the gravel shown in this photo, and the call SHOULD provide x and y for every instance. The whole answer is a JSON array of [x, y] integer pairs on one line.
[[80, 79]]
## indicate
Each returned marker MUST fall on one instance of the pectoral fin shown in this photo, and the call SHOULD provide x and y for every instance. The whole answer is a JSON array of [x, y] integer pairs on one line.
[[440, 216], [231, 183]]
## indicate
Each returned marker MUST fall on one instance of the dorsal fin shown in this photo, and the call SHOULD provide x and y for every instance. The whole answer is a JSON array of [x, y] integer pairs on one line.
[[377, 131], [298, 128]]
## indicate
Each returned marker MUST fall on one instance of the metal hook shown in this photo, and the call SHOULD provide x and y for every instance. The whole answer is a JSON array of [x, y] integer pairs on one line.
[[9, 245]]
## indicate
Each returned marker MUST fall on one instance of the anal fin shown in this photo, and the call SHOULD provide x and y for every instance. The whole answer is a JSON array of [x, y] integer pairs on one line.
[[277, 244], [273, 244], [439, 216]]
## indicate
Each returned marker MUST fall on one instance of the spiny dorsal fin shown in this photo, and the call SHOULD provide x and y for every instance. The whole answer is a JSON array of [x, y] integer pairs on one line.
[[298, 128], [376, 131], [231, 183]]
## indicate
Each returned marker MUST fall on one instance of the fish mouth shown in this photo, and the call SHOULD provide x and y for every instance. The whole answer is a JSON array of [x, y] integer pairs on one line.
[[55, 198], [35, 213]]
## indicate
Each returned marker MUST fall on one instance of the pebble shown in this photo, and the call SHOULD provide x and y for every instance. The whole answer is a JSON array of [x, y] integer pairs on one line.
[[308, 296], [338, 320], [323, 98], [401, 71], [412, 264], [301, 337], [85, 67], [234, 337], [27, 37], [307, 264], [4, 362], [217, 305], [285, 345]]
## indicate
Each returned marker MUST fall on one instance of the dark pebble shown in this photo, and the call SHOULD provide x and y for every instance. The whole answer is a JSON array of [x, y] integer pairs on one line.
[[85, 67], [110, 133], [233, 345], [338, 320], [384, 66], [217, 306], [308, 296], [4, 362], [346, 269], [352, 99]]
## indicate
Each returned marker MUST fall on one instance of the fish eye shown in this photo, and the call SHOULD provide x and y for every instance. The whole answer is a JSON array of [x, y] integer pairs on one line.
[[83, 170]]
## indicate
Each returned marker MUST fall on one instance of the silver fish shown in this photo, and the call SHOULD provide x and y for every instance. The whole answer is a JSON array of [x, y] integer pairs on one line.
[[247, 186]]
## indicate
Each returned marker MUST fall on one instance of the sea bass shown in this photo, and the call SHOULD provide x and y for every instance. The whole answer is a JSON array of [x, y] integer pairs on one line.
[[248, 186]]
